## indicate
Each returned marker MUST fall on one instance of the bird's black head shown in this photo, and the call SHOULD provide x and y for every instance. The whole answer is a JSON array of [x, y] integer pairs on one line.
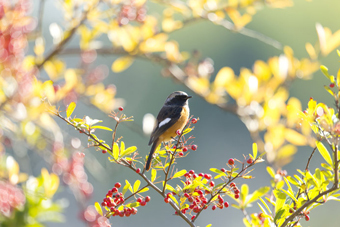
[[177, 98]]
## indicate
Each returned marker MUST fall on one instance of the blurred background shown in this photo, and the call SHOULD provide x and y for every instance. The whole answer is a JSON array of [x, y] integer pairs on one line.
[[219, 135]]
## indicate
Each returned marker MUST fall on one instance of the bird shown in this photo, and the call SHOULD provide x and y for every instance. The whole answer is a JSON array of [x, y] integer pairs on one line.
[[173, 116]]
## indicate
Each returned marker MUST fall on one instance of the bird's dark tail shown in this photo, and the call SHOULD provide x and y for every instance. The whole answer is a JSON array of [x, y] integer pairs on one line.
[[153, 148]]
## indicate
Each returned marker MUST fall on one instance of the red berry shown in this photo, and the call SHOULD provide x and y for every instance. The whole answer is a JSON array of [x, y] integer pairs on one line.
[[231, 162], [166, 200], [183, 211], [121, 214], [194, 176], [212, 183], [186, 195], [194, 120], [185, 149], [191, 171], [104, 151], [194, 147], [193, 217], [236, 191], [201, 175], [120, 108], [236, 196], [291, 210], [134, 210], [147, 199], [168, 195], [143, 203], [223, 170], [226, 204], [139, 200], [232, 184], [104, 204], [114, 190], [180, 153], [207, 176], [118, 185], [307, 217], [250, 160], [200, 192], [331, 85], [138, 170], [178, 132]]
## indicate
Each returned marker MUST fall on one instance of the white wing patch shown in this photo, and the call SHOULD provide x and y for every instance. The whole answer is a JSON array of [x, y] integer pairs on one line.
[[165, 121]]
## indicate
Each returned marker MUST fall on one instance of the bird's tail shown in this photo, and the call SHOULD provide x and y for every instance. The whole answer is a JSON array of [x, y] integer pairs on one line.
[[153, 148]]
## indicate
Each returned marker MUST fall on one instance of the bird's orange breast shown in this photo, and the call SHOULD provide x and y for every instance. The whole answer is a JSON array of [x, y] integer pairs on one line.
[[179, 125]]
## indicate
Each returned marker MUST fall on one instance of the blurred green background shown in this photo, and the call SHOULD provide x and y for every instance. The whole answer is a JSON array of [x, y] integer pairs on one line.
[[219, 135]]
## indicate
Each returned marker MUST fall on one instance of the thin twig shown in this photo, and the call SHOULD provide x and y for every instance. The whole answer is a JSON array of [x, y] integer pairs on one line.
[[310, 157], [70, 34]]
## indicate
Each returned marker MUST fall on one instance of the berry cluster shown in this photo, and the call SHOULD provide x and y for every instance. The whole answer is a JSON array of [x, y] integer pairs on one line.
[[235, 189], [197, 197], [131, 13], [114, 198], [186, 148], [11, 198]]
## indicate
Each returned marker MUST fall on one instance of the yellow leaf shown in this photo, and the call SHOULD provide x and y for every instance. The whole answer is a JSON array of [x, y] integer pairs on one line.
[[70, 109], [295, 138], [153, 175], [51, 182], [224, 77], [324, 152], [98, 208], [122, 63]]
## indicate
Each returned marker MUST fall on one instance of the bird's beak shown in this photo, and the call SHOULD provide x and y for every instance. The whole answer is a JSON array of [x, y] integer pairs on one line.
[[189, 97]]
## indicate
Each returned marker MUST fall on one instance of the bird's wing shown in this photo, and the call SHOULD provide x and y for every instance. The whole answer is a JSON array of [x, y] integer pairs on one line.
[[167, 117]]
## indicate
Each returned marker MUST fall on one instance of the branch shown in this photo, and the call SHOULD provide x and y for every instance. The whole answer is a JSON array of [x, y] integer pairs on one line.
[[126, 164], [70, 34]]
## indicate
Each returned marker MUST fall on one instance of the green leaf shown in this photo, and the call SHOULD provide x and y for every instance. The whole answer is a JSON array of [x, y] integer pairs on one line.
[[280, 200], [98, 208], [127, 187], [70, 109], [102, 127], [279, 215], [254, 150], [153, 175], [324, 152], [180, 173], [136, 185], [293, 181], [128, 151], [291, 195]]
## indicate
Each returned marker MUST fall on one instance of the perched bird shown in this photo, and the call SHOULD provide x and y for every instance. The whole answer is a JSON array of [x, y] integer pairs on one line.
[[172, 117]]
